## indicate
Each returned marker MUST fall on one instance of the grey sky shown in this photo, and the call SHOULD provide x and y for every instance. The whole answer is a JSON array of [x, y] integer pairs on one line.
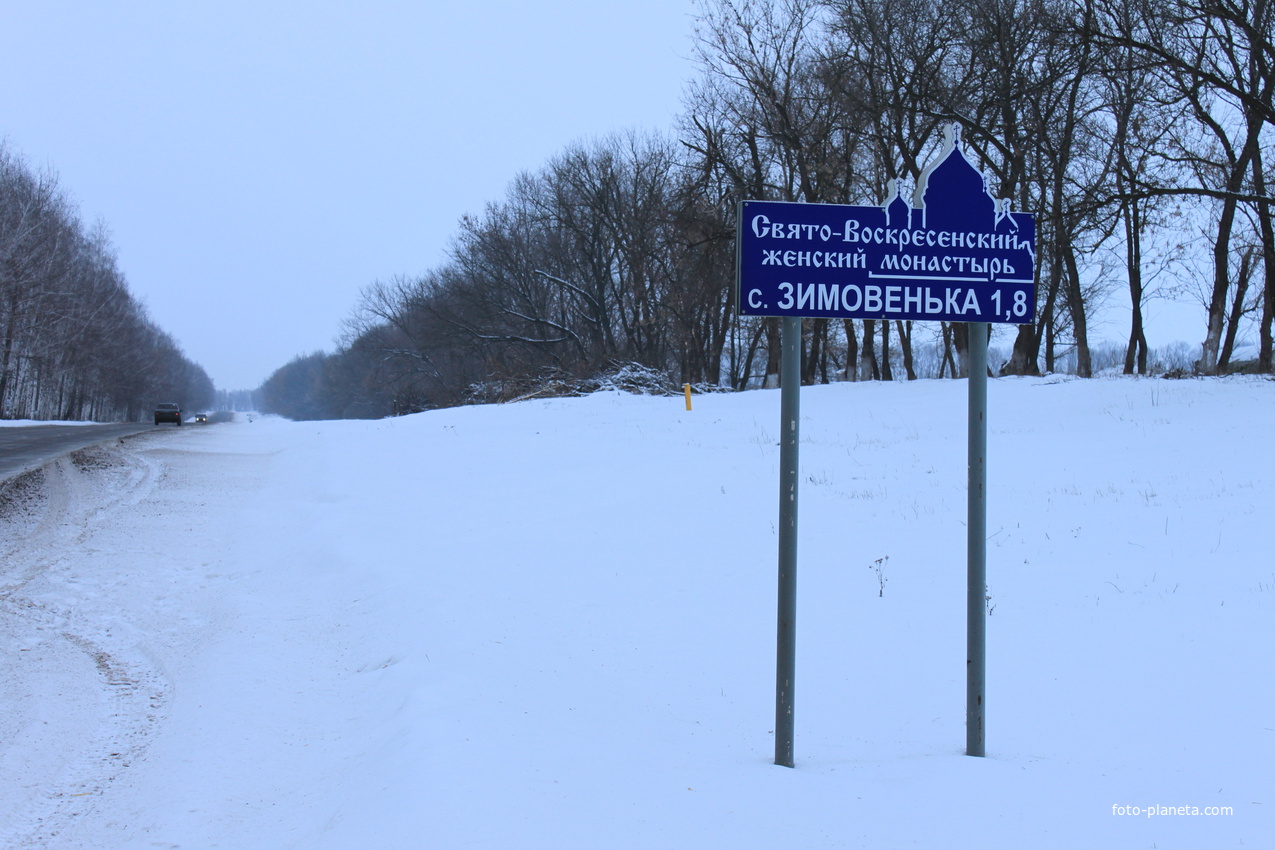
[[258, 163]]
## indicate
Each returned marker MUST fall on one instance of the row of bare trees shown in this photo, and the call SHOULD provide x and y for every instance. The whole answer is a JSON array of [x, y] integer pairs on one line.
[[611, 254], [1133, 128], [1139, 131], [74, 343]]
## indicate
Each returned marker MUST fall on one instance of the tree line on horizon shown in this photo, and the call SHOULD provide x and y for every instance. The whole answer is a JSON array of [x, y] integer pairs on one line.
[[74, 343], [1138, 131]]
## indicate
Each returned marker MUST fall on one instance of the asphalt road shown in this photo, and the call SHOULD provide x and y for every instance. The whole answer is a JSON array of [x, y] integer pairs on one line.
[[30, 446]]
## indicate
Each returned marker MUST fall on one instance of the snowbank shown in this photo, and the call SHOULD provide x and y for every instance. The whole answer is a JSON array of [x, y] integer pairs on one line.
[[551, 624]]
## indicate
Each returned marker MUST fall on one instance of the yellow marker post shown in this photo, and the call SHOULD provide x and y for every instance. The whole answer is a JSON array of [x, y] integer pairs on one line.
[[687, 388]]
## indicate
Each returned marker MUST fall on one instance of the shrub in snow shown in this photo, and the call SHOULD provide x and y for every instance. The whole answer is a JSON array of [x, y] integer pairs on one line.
[[554, 383]]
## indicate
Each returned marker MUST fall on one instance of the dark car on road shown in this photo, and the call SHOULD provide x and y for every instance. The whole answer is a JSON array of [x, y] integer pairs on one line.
[[168, 413]]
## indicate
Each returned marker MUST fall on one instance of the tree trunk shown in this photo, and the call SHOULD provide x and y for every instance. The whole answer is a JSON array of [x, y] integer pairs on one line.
[[947, 362], [823, 354], [868, 368], [1079, 325], [811, 362], [746, 370], [6, 358], [773, 351], [1022, 359], [1208, 362], [905, 344], [961, 339], [852, 352], [818, 360], [887, 372], [1136, 354], [1237, 310], [1264, 355]]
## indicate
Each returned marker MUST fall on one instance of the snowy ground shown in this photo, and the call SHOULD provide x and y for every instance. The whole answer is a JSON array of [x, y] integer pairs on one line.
[[551, 624]]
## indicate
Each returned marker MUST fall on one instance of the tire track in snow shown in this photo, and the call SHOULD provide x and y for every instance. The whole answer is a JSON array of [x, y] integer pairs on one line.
[[108, 698]]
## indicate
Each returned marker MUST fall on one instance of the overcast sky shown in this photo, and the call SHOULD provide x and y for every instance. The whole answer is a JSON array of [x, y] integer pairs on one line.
[[257, 163]]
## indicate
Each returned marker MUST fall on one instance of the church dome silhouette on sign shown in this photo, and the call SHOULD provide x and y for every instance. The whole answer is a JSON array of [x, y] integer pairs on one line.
[[952, 194]]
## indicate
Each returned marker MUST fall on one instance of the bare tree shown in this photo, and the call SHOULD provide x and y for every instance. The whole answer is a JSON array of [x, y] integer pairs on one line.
[[73, 342], [1219, 58]]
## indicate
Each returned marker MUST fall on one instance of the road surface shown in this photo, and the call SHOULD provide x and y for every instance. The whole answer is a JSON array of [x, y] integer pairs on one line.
[[27, 447]]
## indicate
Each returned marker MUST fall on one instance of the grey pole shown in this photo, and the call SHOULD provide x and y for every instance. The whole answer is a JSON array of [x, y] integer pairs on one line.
[[786, 642], [976, 546]]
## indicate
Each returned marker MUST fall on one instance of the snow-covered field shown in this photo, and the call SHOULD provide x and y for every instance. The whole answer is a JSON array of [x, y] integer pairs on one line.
[[551, 624]]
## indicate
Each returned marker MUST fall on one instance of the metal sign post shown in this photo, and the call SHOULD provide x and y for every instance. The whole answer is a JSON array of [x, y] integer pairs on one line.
[[976, 545], [954, 254], [786, 639]]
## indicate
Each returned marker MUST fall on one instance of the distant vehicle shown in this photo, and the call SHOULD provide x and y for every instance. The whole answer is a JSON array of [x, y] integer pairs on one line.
[[168, 413], [201, 418]]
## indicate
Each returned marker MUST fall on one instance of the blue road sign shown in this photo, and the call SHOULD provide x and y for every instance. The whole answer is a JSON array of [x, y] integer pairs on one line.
[[955, 254]]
